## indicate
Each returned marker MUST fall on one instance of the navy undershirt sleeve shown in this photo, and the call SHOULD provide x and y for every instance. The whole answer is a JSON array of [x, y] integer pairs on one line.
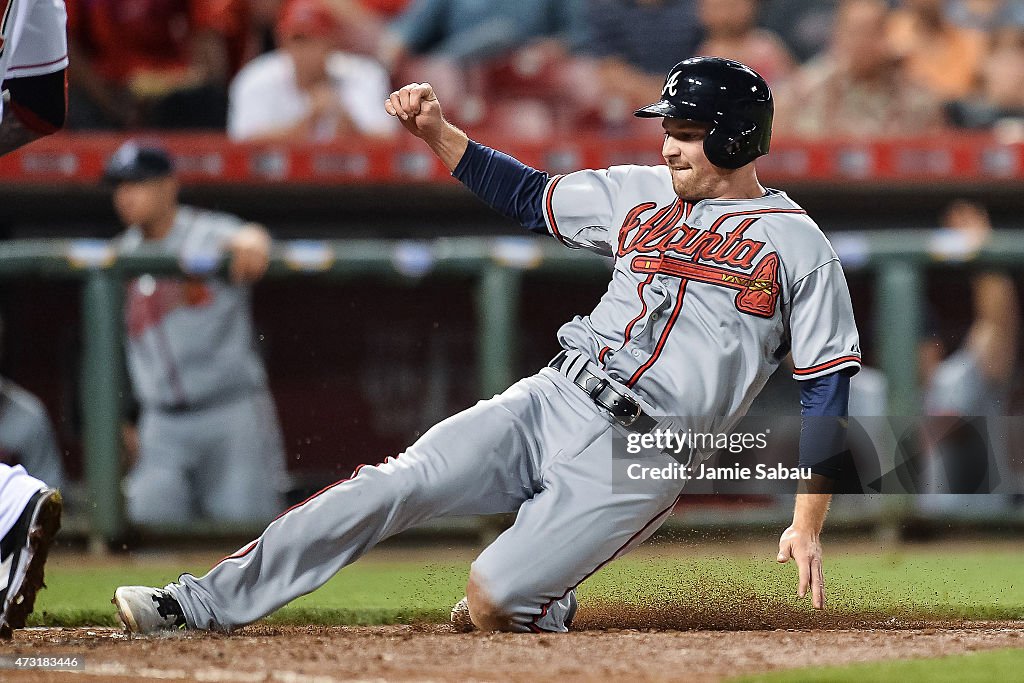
[[824, 405], [505, 183]]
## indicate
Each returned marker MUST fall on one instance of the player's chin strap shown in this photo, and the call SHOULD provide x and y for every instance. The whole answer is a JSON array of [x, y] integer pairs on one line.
[[624, 408]]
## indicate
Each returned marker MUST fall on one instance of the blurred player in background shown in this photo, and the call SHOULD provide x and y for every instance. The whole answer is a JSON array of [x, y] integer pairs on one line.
[[27, 437], [209, 442], [34, 61]]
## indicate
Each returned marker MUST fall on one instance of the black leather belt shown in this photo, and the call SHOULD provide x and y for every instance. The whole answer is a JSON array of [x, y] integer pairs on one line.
[[211, 402], [626, 411]]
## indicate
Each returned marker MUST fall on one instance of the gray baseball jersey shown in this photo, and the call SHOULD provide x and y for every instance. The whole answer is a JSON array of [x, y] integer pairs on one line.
[[26, 434], [190, 340], [705, 300], [958, 387], [209, 441]]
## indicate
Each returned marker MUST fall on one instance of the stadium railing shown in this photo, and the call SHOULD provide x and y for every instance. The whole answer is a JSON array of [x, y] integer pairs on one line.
[[897, 260]]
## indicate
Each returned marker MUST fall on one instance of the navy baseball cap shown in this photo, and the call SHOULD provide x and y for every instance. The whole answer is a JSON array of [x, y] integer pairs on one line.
[[135, 161]]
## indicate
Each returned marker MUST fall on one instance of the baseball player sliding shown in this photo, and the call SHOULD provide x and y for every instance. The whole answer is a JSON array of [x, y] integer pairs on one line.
[[33, 64], [715, 279]]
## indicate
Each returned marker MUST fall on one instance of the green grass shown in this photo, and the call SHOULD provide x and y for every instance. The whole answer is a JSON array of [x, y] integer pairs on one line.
[[979, 667], [369, 592], [926, 583]]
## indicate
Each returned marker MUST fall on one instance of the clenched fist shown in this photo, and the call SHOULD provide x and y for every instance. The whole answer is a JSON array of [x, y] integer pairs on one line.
[[417, 107]]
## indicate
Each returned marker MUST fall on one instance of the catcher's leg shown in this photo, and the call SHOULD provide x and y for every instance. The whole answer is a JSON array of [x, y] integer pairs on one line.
[[480, 461], [16, 488]]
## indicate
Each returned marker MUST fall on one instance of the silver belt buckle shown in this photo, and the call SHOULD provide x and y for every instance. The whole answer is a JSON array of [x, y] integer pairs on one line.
[[632, 418]]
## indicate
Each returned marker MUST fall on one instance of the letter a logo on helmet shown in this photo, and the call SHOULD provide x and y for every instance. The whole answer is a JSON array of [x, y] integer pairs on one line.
[[670, 85], [731, 97]]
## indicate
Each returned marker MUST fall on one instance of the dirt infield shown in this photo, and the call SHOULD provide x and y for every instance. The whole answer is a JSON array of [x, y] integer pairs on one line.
[[676, 613], [437, 653]]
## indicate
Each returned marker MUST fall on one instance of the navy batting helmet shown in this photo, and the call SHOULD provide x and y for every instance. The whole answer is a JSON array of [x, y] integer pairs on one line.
[[730, 96], [134, 161]]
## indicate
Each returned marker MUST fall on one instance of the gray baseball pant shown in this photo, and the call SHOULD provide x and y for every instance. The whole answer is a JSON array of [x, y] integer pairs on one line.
[[224, 463], [542, 448]]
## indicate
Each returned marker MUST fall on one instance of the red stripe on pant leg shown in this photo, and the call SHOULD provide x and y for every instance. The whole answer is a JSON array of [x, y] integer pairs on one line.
[[547, 605], [240, 554], [327, 488], [319, 493]]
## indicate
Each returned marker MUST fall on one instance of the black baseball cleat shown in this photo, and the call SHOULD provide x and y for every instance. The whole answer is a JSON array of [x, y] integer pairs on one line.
[[145, 610], [23, 554]]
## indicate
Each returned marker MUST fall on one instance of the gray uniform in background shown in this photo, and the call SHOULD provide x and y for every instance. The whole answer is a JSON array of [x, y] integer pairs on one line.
[[209, 441], [705, 300], [27, 436], [957, 388]]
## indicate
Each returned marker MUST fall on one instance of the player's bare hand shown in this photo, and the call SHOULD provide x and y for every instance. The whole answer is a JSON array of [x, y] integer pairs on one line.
[[250, 253], [805, 548], [416, 106]]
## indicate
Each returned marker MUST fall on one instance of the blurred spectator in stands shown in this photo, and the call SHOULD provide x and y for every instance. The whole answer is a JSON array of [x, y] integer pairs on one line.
[[986, 15], [488, 50], [805, 26], [264, 15], [26, 434], [364, 22], [161, 63], [998, 103], [636, 42], [306, 90], [732, 32], [937, 54], [857, 88]]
